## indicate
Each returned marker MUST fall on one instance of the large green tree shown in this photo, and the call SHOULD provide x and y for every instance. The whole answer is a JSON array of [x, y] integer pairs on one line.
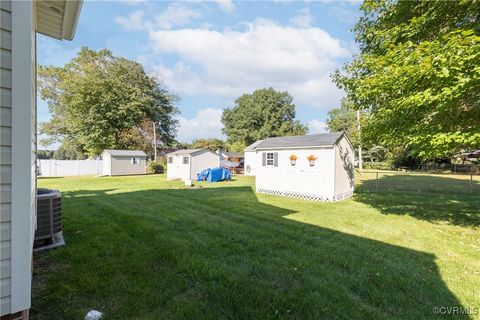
[[100, 101], [417, 75], [211, 144], [259, 115], [344, 119]]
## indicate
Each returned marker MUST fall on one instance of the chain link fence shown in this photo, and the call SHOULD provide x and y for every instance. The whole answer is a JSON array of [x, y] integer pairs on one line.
[[418, 182], [456, 168]]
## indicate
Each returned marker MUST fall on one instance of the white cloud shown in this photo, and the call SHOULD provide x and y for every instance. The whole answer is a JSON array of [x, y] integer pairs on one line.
[[133, 2], [303, 20], [226, 5], [176, 15], [316, 126], [205, 124], [230, 62], [133, 22], [346, 12]]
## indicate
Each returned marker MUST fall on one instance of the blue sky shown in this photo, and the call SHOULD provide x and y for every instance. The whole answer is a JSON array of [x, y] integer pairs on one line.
[[210, 52]]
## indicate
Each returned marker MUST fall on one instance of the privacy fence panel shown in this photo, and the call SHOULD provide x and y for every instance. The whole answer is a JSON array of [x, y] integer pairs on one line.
[[64, 168]]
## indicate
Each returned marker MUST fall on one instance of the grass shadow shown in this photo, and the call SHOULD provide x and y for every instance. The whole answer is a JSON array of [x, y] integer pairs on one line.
[[219, 253], [431, 198]]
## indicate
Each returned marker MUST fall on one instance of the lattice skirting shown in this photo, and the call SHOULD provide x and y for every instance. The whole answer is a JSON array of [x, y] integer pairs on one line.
[[305, 196], [296, 195], [344, 195]]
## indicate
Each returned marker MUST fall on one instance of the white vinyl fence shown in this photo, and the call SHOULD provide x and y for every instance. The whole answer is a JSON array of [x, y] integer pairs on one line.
[[63, 168]]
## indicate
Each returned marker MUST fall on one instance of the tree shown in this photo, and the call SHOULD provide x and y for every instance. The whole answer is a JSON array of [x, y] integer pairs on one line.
[[344, 119], [262, 114], [69, 150], [100, 101], [376, 154], [417, 75], [211, 144], [45, 154], [237, 146]]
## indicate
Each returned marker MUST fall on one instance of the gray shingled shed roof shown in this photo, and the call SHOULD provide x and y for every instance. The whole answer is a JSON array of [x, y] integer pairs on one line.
[[234, 154], [186, 152], [126, 153], [311, 140], [253, 146]]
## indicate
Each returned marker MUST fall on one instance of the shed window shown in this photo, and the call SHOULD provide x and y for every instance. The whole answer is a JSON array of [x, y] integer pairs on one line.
[[170, 159], [269, 158], [185, 160], [135, 161]]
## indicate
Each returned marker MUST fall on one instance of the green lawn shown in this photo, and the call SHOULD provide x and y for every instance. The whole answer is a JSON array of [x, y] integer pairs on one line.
[[144, 248]]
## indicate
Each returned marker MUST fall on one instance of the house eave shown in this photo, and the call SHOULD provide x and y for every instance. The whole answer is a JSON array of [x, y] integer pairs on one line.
[[59, 18]]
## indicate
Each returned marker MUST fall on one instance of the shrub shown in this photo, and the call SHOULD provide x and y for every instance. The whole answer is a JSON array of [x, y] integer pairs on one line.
[[155, 167]]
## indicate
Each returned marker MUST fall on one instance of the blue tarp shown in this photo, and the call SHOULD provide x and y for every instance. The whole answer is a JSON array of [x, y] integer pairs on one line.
[[214, 175]]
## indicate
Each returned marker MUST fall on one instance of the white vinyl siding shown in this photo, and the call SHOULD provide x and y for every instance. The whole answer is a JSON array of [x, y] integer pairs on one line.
[[5, 155], [22, 151]]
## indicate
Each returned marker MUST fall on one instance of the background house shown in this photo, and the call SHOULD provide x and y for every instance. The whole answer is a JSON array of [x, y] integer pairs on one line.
[[186, 164], [250, 156], [20, 20], [313, 167], [231, 156], [233, 161], [124, 162]]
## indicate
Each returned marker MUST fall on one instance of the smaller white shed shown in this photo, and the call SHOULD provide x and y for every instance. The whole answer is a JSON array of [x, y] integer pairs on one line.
[[186, 164], [250, 158], [124, 162]]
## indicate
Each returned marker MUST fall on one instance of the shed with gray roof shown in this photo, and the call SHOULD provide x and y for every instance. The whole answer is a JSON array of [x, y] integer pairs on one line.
[[124, 162], [312, 167], [185, 164]]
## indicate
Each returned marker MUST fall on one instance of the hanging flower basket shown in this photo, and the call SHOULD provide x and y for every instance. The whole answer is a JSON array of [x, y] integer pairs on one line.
[[293, 159], [311, 160]]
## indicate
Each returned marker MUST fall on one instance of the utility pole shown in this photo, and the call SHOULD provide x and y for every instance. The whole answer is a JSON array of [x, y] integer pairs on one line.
[[360, 161], [155, 139]]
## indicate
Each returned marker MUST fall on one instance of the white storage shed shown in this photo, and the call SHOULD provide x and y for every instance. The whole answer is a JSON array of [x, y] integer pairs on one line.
[[124, 162], [249, 160], [186, 164], [313, 167]]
